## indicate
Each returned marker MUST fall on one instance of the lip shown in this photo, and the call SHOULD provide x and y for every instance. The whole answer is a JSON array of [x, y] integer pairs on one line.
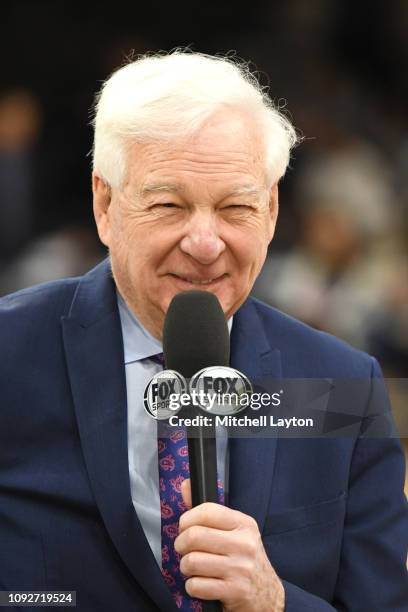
[[198, 283]]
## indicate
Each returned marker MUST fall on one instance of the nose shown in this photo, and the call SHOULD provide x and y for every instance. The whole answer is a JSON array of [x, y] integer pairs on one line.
[[201, 240]]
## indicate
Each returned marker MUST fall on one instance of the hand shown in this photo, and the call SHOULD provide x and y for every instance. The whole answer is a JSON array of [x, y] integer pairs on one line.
[[224, 559]]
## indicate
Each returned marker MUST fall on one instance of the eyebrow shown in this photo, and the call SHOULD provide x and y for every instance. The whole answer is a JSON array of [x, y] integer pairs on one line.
[[246, 190], [155, 187], [249, 190]]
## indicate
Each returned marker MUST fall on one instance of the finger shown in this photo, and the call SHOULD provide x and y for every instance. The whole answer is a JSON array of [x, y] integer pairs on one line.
[[215, 541], [215, 516], [206, 564], [186, 492], [206, 588]]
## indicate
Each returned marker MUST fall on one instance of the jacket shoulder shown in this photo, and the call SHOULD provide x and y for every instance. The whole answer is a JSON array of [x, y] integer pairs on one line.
[[310, 352], [41, 303]]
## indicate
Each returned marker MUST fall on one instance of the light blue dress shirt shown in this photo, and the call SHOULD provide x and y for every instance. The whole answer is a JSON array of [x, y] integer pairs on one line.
[[139, 345]]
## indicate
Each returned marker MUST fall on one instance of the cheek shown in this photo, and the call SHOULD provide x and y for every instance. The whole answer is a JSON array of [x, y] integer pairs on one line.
[[134, 240], [148, 254], [250, 250]]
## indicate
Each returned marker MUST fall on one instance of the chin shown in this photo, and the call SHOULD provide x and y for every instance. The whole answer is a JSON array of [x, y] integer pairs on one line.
[[166, 301]]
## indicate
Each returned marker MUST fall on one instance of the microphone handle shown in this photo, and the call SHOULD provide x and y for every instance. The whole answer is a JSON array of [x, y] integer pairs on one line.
[[211, 606], [202, 454], [203, 474]]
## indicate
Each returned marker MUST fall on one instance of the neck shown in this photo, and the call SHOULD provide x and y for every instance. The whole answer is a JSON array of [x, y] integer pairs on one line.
[[152, 324]]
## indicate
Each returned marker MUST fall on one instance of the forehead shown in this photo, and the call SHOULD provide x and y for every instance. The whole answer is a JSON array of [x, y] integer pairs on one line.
[[226, 150]]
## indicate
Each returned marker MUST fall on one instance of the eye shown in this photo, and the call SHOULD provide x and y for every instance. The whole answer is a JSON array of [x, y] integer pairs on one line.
[[161, 206], [237, 207], [237, 210]]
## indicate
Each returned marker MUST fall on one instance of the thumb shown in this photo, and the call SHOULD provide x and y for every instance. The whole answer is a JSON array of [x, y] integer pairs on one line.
[[186, 492]]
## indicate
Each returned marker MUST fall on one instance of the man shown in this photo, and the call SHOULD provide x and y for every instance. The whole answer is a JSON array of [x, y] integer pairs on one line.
[[188, 153]]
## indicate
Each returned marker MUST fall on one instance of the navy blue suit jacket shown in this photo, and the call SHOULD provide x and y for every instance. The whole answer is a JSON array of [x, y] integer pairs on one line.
[[332, 513]]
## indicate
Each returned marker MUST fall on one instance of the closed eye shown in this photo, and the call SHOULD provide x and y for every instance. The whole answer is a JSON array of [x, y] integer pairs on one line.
[[236, 206], [164, 205]]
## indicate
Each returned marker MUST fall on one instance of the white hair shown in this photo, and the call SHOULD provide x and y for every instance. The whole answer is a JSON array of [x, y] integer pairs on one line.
[[170, 96]]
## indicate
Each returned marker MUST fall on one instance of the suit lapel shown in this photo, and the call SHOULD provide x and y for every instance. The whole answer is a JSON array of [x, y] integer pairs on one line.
[[94, 350], [252, 459]]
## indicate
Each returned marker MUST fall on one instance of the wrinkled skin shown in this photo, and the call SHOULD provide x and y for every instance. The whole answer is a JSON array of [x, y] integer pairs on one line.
[[193, 214], [224, 559]]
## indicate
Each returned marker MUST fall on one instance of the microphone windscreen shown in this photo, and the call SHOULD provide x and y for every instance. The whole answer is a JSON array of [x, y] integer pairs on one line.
[[195, 333]]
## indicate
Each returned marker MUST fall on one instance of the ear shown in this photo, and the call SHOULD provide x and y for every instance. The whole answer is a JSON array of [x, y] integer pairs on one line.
[[101, 201], [273, 209]]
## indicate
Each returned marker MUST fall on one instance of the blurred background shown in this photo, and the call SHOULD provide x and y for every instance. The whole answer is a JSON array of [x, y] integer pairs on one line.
[[339, 259]]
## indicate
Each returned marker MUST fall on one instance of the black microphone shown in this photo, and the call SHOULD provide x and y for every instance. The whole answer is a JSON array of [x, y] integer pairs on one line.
[[195, 336]]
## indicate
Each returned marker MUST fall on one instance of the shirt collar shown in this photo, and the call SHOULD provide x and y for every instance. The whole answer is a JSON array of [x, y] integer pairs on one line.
[[138, 343]]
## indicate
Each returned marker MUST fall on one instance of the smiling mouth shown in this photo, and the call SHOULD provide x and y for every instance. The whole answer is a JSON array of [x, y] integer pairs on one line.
[[198, 282]]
